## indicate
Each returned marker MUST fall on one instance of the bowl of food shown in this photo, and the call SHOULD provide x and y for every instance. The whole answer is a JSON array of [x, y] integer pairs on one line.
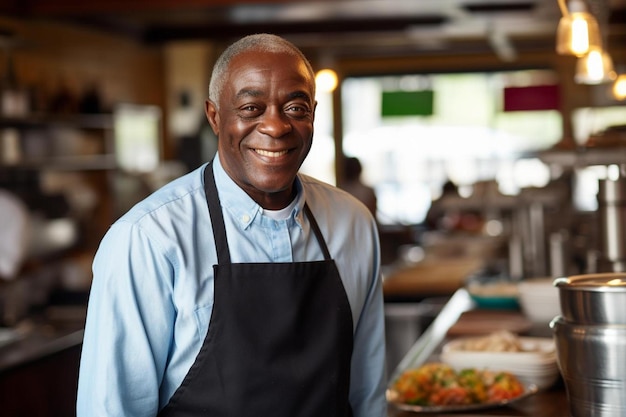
[[438, 387], [494, 295]]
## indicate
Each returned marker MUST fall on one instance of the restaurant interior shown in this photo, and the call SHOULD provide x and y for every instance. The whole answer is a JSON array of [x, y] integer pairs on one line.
[[497, 153]]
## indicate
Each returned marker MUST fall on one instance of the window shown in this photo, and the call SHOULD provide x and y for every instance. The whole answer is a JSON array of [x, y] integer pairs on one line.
[[137, 137], [466, 136]]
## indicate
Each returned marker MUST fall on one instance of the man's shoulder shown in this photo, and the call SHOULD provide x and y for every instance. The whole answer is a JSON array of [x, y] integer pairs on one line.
[[170, 197], [322, 195], [314, 186]]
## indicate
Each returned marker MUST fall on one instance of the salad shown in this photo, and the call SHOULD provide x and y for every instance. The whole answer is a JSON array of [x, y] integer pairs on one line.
[[436, 384]]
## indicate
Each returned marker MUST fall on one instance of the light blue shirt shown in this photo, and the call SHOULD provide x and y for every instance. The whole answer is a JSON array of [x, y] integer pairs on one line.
[[152, 292]]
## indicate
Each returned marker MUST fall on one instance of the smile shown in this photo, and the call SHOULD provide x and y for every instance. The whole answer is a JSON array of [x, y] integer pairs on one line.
[[270, 154]]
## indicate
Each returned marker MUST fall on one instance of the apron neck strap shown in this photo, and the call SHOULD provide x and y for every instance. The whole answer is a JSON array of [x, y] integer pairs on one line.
[[317, 231], [217, 219], [219, 229]]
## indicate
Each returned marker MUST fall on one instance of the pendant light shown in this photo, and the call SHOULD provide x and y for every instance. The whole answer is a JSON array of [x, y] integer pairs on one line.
[[326, 80], [595, 68], [619, 88], [578, 30]]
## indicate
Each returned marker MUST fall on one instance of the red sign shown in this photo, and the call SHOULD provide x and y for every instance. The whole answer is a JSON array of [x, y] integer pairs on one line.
[[536, 97]]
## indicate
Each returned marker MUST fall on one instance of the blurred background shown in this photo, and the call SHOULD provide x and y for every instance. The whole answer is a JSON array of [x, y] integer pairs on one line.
[[487, 146]]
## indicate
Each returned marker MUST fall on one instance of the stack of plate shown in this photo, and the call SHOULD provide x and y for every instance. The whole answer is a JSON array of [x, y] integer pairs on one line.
[[539, 299], [535, 364]]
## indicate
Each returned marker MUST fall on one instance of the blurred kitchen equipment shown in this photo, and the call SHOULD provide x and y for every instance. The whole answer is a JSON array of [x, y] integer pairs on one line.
[[559, 256], [593, 298], [590, 336], [403, 326], [539, 243], [592, 360], [612, 225]]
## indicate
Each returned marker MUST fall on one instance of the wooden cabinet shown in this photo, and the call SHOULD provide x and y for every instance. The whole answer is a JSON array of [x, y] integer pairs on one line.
[[39, 371], [45, 387]]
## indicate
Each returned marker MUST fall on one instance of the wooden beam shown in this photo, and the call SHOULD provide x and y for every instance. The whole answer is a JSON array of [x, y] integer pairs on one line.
[[75, 8]]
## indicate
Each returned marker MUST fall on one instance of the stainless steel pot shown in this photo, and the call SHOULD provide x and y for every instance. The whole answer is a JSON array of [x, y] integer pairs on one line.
[[592, 361], [593, 298]]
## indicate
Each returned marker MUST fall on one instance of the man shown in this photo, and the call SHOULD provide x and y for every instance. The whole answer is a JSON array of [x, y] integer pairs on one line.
[[267, 303]]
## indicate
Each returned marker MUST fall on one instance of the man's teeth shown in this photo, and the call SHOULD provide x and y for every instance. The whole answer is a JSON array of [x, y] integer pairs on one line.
[[269, 153]]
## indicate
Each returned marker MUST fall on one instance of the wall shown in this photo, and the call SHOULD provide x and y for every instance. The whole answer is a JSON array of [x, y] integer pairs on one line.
[[51, 57], [572, 95]]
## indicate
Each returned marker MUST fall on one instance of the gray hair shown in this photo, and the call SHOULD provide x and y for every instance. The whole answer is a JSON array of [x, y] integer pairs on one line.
[[262, 42]]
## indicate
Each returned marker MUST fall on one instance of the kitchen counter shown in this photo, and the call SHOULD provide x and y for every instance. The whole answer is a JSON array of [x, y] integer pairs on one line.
[[430, 278], [39, 369], [551, 402]]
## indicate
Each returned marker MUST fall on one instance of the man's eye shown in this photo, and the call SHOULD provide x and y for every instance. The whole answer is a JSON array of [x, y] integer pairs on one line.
[[298, 110], [249, 111]]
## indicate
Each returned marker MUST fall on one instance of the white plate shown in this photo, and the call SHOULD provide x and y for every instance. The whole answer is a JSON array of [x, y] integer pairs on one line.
[[392, 399], [538, 367], [534, 348]]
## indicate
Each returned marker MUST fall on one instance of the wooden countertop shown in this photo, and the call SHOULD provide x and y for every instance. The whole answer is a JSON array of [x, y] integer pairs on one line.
[[431, 277], [551, 402]]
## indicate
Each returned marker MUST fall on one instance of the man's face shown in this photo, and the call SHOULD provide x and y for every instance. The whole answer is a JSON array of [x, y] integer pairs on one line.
[[264, 124]]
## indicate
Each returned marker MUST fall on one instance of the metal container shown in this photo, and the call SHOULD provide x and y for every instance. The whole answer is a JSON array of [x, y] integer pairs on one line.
[[592, 361], [593, 298], [612, 216], [403, 326]]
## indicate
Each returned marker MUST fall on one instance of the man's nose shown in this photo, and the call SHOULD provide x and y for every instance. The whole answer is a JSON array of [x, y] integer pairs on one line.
[[275, 123]]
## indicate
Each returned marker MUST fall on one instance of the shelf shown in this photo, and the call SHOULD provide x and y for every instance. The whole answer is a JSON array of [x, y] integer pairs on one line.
[[71, 163], [48, 122], [584, 157], [81, 121]]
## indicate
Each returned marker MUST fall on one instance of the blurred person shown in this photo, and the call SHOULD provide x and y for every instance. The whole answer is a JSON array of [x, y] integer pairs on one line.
[[443, 213], [452, 213], [15, 224], [354, 185], [243, 288]]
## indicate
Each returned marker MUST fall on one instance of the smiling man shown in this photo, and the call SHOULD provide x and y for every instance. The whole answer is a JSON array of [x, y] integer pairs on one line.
[[243, 288]]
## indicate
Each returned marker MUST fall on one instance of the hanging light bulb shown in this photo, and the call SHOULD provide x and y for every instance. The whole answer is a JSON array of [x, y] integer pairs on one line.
[[326, 80], [578, 30], [595, 68], [619, 88]]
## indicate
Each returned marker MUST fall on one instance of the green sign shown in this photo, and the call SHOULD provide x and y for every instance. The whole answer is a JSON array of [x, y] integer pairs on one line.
[[407, 103]]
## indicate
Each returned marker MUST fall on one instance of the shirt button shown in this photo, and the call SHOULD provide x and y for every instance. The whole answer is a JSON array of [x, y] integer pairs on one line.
[[245, 218]]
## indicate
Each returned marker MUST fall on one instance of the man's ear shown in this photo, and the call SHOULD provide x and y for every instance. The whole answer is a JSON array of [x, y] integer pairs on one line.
[[212, 115]]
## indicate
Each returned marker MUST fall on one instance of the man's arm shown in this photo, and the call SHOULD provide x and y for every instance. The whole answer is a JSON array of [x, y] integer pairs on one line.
[[128, 327]]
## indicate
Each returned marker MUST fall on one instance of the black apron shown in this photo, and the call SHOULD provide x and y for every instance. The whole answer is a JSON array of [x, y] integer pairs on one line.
[[280, 337]]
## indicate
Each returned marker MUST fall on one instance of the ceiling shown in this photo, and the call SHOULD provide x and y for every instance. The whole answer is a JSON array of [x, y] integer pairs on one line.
[[337, 27]]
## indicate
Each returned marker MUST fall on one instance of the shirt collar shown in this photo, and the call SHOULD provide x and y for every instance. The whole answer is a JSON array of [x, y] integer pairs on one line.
[[241, 206]]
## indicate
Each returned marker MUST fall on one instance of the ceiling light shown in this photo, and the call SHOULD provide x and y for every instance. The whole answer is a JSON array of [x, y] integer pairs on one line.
[[578, 30], [595, 68], [619, 88], [326, 80]]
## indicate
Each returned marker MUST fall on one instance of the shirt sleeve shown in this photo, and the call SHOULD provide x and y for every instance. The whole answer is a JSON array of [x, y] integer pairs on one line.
[[123, 360], [368, 375]]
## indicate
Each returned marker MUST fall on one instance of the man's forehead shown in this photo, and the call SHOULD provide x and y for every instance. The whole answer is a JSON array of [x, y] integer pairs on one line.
[[256, 74], [270, 59]]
